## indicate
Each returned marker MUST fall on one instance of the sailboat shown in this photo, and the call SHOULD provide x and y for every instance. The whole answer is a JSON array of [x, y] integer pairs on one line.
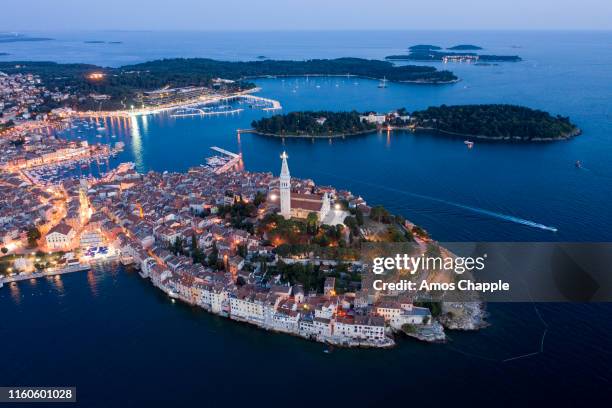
[[383, 83]]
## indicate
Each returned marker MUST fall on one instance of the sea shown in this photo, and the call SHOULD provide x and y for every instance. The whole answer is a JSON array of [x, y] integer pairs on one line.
[[123, 343]]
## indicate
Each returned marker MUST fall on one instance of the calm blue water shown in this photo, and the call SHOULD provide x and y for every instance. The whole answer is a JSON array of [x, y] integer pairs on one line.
[[125, 335]]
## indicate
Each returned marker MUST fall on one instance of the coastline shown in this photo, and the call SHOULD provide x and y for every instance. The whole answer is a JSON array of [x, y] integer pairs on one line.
[[420, 130], [413, 81], [513, 139], [332, 136]]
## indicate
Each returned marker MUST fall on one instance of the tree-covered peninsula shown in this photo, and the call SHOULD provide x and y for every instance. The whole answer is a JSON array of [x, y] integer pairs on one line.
[[123, 85], [313, 124], [495, 122], [490, 122], [262, 68]]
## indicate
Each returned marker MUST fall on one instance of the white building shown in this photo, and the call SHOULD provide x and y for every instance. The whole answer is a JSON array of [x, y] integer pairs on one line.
[[285, 188], [300, 205], [60, 237]]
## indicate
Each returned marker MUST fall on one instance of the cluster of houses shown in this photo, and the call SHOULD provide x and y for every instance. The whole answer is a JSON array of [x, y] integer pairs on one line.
[[36, 150], [21, 96], [22, 205], [156, 220], [144, 216]]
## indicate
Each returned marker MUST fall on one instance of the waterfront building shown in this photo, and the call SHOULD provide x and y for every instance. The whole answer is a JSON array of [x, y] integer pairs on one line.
[[369, 328], [172, 95], [60, 237], [91, 238]]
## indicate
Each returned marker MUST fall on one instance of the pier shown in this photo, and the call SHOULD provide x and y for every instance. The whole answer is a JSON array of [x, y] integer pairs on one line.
[[202, 112], [274, 104], [47, 272], [234, 161]]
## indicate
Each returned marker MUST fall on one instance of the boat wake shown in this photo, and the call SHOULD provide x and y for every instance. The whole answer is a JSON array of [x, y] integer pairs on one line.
[[482, 211]]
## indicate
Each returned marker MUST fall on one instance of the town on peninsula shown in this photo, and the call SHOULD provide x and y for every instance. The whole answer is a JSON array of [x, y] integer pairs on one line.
[[266, 249]]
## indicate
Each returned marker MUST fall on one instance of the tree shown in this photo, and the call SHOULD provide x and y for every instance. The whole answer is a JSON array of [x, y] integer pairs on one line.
[[260, 197], [380, 214], [196, 253], [434, 307], [213, 257], [312, 221], [433, 250], [33, 236], [177, 246], [359, 216], [242, 250]]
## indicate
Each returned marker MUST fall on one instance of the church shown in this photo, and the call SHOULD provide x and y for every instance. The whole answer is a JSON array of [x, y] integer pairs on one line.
[[295, 205]]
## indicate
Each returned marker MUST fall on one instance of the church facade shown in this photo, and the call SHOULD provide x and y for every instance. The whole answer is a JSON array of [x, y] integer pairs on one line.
[[295, 205]]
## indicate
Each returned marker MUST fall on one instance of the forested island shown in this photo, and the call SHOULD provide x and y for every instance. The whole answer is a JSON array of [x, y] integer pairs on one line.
[[465, 47], [313, 124], [123, 84], [495, 122], [424, 47], [490, 122]]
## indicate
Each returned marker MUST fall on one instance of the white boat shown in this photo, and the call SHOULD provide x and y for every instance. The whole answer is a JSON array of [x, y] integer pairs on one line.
[[469, 143]]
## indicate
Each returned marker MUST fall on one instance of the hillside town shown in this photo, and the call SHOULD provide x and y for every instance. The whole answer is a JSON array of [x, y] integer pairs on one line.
[[24, 97], [208, 239]]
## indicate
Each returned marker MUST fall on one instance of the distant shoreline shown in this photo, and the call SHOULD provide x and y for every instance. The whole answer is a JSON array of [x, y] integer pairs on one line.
[[415, 81]]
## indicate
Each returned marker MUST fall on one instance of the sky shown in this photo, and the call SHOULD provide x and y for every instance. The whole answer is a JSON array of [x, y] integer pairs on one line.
[[51, 15]]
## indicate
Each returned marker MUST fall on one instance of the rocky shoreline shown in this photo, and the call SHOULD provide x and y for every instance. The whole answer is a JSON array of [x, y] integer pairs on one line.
[[515, 139]]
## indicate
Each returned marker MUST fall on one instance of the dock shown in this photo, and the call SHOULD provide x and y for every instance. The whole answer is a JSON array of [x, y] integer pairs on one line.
[[47, 272], [201, 112], [234, 160]]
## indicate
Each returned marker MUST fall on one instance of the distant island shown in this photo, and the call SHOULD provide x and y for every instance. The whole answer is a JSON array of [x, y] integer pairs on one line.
[[465, 47], [424, 47], [486, 122], [118, 88], [4, 53], [11, 37]]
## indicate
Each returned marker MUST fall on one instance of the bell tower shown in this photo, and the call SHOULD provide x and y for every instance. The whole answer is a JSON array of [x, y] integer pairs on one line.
[[285, 188]]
